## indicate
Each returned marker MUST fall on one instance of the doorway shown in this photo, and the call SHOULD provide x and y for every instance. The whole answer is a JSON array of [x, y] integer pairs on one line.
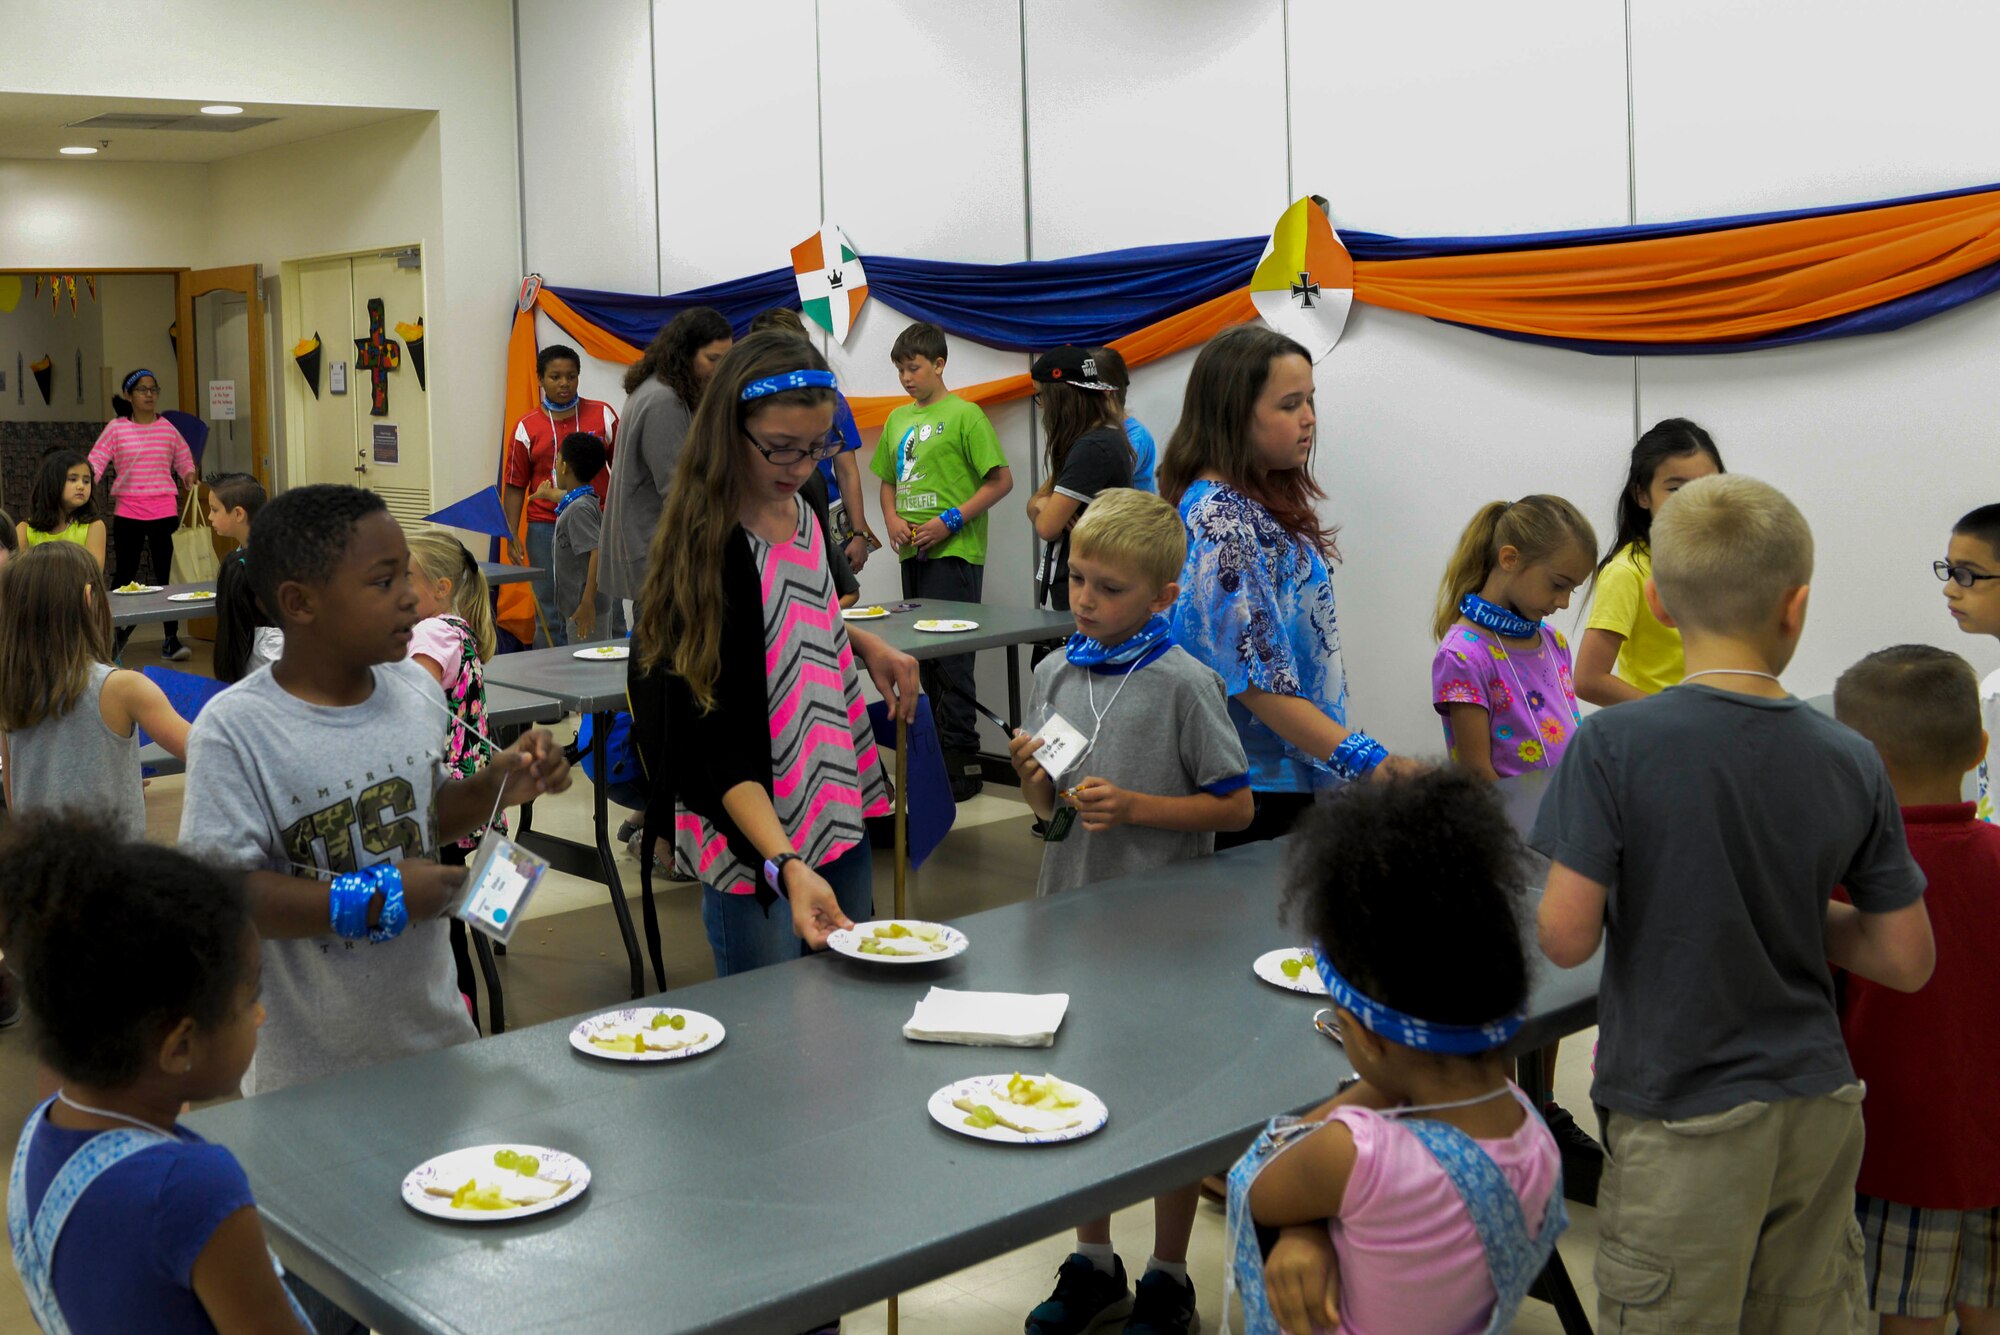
[[334, 431]]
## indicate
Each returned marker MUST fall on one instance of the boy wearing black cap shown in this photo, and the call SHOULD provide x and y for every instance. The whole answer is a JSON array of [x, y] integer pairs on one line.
[[1087, 452]]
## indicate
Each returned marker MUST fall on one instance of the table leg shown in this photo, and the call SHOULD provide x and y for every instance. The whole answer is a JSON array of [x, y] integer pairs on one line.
[[1013, 686], [892, 1327], [902, 847], [607, 863], [496, 1010]]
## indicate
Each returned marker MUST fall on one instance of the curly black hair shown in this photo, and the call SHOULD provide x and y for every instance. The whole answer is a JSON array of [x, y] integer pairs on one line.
[[1413, 888], [115, 942], [301, 535]]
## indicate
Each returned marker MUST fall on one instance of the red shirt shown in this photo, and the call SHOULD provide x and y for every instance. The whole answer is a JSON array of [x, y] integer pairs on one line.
[[1932, 1057], [531, 454]]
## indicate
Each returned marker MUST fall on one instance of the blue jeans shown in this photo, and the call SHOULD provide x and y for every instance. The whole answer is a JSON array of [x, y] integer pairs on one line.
[[742, 936], [542, 555]]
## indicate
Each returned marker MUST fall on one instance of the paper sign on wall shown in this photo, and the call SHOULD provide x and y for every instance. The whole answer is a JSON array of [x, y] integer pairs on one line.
[[336, 379], [222, 400], [388, 449]]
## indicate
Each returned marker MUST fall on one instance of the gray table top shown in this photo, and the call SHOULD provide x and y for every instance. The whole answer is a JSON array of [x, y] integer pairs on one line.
[[137, 609], [998, 627], [793, 1173], [498, 573], [578, 683]]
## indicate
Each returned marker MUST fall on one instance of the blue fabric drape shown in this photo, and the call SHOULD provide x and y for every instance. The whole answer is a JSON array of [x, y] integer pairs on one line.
[[636, 317]]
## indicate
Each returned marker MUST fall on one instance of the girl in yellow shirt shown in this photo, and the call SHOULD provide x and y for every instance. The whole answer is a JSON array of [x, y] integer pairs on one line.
[[1626, 654], [59, 506]]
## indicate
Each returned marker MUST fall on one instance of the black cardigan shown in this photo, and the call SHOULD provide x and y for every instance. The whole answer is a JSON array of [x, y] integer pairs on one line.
[[712, 752]]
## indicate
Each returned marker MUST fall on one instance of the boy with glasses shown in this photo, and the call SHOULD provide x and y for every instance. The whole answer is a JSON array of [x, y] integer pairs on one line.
[[1971, 575]]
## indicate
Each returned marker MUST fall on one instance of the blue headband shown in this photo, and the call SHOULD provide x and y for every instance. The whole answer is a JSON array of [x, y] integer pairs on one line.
[[1424, 1035], [136, 377], [778, 384]]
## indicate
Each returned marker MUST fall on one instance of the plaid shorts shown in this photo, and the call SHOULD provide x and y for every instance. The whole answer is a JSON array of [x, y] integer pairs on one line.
[[1920, 1263]]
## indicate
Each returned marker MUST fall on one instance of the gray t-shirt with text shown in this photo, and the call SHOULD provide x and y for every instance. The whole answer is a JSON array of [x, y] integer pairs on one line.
[[1166, 732], [277, 784], [577, 529], [1720, 824]]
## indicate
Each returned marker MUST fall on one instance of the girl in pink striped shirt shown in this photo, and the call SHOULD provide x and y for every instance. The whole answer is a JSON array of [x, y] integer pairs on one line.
[[151, 462]]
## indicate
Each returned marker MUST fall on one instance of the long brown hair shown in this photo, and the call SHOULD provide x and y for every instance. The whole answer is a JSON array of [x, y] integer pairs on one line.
[[55, 621], [680, 608], [1214, 433], [670, 355], [441, 556], [1541, 528], [1068, 412]]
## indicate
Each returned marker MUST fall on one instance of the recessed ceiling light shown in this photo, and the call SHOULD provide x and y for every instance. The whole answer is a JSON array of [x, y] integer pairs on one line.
[[79, 151], [222, 109]]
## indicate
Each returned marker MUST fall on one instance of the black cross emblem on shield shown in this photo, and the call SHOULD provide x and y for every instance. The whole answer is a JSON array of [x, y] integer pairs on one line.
[[1305, 289]]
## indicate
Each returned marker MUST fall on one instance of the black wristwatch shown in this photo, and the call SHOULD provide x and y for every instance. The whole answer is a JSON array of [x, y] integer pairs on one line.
[[774, 872]]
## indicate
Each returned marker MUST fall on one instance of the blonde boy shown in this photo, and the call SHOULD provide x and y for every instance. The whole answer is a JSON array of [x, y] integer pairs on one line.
[[1699, 834], [1148, 768]]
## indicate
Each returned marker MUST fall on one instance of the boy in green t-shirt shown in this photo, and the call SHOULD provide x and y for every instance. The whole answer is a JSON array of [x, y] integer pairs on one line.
[[941, 470]]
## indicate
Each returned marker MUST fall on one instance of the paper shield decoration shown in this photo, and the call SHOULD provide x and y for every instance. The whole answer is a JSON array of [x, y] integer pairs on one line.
[[306, 356], [44, 372], [1304, 285], [413, 343], [10, 291], [832, 285], [378, 354]]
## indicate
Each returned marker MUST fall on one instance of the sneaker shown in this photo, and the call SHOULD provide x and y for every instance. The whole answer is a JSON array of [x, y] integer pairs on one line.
[[1582, 1157], [1085, 1297], [176, 652], [10, 998], [966, 779], [628, 827], [1164, 1306]]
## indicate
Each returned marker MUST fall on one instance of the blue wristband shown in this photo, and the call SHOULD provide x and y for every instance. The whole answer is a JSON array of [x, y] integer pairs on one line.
[[1357, 757], [348, 898], [394, 916], [953, 520]]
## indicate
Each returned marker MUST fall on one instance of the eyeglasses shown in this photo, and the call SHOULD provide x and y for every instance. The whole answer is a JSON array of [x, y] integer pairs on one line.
[[1963, 576], [791, 454], [1328, 1024]]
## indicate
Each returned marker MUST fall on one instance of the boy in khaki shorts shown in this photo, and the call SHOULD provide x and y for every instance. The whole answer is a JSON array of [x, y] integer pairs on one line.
[[1700, 834]]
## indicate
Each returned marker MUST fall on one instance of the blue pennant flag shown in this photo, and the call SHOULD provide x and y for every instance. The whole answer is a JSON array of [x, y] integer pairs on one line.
[[481, 512]]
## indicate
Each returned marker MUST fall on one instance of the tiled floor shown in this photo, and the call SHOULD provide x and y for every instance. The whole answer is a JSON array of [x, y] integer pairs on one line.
[[566, 958]]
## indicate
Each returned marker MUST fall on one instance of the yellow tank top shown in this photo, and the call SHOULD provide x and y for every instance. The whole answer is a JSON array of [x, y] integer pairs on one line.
[[77, 532]]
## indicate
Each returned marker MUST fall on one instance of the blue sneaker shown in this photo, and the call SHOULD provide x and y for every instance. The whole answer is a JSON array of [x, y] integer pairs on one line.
[[1165, 1306], [1085, 1297]]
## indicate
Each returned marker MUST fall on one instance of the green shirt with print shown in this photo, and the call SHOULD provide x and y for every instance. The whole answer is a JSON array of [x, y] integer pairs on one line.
[[937, 456]]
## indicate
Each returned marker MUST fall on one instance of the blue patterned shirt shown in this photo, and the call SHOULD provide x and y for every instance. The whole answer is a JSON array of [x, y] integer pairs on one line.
[[1256, 604]]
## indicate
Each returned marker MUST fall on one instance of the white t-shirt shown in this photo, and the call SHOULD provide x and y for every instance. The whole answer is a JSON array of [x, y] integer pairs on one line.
[[1989, 713]]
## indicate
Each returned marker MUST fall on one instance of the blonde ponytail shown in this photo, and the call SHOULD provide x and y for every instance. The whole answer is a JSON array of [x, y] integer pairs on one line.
[[1469, 566], [441, 556], [1540, 528]]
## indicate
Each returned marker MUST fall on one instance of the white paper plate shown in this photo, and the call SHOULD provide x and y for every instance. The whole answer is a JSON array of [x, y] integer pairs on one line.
[[605, 653], [640, 1018], [863, 613], [1267, 968], [452, 1169], [134, 593], [1087, 1117], [190, 597], [937, 627], [848, 942]]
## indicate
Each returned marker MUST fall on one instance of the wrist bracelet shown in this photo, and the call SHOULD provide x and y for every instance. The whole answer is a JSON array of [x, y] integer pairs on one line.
[[350, 893], [953, 520], [1356, 757], [394, 916]]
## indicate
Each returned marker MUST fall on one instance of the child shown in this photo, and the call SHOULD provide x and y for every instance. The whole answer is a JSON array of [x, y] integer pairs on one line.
[[841, 474], [1929, 1190], [160, 1232], [1163, 772], [324, 778], [530, 461], [245, 639], [1501, 676], [1622, 629], [1087, 453], [68, 718], [10, 539], [1699, 835], [1145, 452], [1971, 572], [60, 507], [579, 520], [1428, 1189], [152, 465], [941, 470]]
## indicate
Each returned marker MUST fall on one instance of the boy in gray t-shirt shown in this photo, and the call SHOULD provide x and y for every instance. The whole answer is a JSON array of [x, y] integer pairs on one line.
[[583, 608], [1146, 769], [1700, 834], [330, 764]]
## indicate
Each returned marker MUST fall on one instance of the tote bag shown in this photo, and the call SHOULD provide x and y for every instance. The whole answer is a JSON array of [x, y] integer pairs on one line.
[[194, 544]]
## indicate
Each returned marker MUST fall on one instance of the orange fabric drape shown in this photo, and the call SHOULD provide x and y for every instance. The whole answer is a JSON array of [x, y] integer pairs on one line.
[[1734, 283], [514, 606]]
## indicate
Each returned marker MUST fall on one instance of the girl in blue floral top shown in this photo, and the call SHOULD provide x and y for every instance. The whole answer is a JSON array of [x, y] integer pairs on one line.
[[1256, 599]]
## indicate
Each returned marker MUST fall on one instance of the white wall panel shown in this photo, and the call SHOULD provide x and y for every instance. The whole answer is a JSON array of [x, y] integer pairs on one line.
[[587, 144], [738, 137], [1172, 132]]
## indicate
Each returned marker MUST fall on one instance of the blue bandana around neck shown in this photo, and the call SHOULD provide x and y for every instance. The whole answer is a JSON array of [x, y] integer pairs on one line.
[[1500, 620], [574, 493], [1461, 1040], [1146, 644], [554, 409]]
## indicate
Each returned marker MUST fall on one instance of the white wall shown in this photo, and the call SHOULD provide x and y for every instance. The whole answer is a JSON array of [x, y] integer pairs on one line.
[[1007, 129], [32, 330], [127, 215], [453, 57], [138, 311]]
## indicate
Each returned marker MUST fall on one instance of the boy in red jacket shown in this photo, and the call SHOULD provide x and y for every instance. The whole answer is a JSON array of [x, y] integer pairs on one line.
[[1929, 1192]]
